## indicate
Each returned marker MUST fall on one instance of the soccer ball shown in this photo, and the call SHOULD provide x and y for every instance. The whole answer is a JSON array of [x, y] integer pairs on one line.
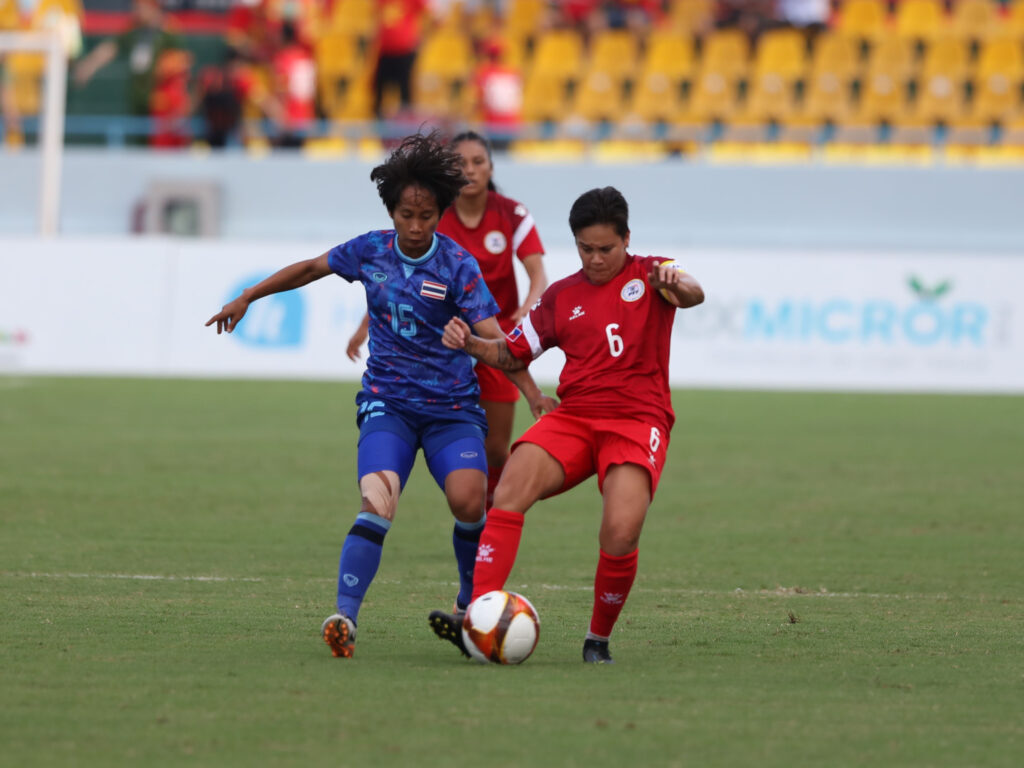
[[502, 627]]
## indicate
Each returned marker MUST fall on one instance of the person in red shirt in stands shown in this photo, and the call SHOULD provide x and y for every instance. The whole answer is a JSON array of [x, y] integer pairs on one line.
[[499, 93], [294, 77], [613, 319], [399, 33], [496, 230]]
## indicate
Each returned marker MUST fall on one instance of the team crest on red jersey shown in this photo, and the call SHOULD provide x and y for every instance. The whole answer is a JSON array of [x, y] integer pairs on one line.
[[634, 290], [495, 242]]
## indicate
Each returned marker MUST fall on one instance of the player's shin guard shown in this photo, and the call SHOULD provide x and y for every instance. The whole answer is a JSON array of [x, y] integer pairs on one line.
[[612, 582], [465, 538], [360, 558], [496, 553]]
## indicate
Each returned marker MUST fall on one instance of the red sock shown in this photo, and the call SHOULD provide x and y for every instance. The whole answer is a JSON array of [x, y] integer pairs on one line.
[[496, 553], [612, 582], [493, 475]]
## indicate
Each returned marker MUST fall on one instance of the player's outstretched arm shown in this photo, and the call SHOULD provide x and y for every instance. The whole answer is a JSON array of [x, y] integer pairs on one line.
[[539, 403], [682, 289], [293, 276], [494, 352]]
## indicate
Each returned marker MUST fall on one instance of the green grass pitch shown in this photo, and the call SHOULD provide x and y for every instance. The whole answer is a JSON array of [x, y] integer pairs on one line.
[[825, 580]]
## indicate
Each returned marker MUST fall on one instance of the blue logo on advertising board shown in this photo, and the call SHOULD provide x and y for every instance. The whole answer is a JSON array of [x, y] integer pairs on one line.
[[274, 321]]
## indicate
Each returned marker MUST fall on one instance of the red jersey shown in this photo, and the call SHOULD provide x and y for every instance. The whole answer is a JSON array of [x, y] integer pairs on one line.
[[506, 228], [296, 76], [616, 340]]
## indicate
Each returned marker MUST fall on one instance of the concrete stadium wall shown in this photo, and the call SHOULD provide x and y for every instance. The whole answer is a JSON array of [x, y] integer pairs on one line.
[[673, 204]]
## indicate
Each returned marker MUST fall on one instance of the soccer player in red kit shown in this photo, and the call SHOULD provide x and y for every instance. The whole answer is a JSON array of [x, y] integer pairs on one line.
[[613, 320], [496, 230]]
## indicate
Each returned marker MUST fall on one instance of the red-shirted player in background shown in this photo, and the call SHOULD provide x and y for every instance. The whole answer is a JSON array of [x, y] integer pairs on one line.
[[493, 228], [613, 319]]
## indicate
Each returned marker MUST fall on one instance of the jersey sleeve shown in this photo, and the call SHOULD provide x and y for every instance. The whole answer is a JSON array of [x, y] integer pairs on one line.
[[525, 239], [344, 259], [536, 333]]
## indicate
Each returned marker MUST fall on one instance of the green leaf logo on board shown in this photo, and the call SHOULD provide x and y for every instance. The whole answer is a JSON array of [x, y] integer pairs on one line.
[[925, 293]]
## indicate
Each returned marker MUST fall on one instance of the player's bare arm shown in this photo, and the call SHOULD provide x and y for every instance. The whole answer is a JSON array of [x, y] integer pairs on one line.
[[539, 403], [534, 266], [494, 352], [293, 276], [682, 289]]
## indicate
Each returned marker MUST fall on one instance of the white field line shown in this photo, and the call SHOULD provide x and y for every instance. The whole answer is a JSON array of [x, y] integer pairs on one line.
[[738, 592]]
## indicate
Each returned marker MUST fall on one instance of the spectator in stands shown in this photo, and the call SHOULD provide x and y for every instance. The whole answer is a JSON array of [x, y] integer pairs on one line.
[[294, 78], [499, 93], [171, 102], [400, 27], [142, 45], [750, 16], [226, 94]]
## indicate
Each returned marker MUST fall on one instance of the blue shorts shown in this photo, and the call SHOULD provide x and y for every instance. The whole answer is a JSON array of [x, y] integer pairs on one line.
[[391, 432]]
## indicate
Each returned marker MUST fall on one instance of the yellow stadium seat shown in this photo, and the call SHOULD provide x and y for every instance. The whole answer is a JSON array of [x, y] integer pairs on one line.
[[836, 54], [524, 18], [24, 72], [725, 52], [441, 76], [10, 15], [558, 53], [781, 52], [669, 54], [712, 97], [338, 63], [974, 19], [1001, 55], [544, 98], [997, 80], [883, 97], [863, 19], [355, 17], [1013, 24], [893, 56], [770, 98], [827, 98], [948, 56], [614, 52], [356, 102], [920, 19], [599, 97], [656, 98], [690, 17], [940, 99]]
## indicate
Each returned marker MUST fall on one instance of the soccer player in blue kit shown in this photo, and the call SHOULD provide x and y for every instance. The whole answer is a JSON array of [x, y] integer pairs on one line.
[[416, 392]]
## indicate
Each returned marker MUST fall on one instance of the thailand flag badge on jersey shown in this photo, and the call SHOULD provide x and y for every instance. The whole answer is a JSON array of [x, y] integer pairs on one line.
[[433, 290]]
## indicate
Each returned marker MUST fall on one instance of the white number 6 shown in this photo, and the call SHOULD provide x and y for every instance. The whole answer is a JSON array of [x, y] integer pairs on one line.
[[615, 344], [655, 439]]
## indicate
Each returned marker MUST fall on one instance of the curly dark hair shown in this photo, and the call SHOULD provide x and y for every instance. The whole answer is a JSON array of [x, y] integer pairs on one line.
[[421, 161], [602, 205]]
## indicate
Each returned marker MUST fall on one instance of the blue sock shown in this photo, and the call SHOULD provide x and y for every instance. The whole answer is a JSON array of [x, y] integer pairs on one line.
[[360, 557], [465, 537]]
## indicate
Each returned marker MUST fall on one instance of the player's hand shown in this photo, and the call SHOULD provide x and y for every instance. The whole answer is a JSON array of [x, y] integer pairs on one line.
[[230, 315], [519, 314], [456, 334], [354, 345], [541, 404], [664, 275]]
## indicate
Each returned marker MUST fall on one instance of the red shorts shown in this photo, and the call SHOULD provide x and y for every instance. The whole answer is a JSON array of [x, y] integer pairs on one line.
[[495, 385], [585, 446]]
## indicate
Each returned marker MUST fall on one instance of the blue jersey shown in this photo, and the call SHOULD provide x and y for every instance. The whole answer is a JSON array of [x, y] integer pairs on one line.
[[409, 302]]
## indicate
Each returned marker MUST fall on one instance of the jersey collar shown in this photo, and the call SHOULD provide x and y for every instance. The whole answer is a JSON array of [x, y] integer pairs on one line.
[[424, 258]]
